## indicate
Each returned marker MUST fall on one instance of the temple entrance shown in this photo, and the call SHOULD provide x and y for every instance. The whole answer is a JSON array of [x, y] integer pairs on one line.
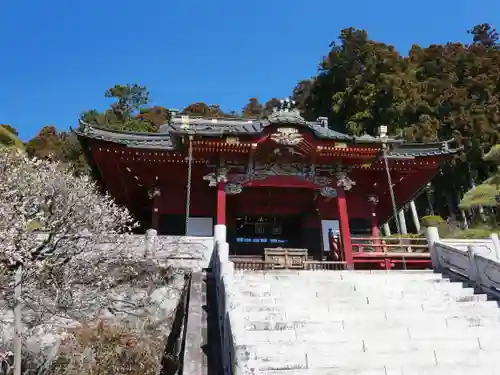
[[251, 234]]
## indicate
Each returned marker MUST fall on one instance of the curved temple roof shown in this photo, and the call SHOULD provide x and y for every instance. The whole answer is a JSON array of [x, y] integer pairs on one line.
[[285, 115]]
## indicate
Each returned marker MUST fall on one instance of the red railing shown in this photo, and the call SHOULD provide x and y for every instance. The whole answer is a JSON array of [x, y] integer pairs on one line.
[[389, 245], [391, 253]]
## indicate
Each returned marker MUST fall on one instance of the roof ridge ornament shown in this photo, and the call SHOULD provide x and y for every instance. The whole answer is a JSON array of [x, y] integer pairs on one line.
[[286, 113], [287, 105], [83, 126]]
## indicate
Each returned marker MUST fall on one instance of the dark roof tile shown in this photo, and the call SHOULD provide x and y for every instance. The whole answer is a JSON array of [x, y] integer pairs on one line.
[[211, 128]]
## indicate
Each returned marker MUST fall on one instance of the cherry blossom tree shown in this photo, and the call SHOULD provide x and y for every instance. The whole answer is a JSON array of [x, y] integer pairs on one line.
[[47, 218]]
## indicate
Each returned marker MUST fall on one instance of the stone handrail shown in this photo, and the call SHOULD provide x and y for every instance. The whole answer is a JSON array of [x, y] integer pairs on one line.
[[487, 246], [193, 336], [230, 323], [469, 259]]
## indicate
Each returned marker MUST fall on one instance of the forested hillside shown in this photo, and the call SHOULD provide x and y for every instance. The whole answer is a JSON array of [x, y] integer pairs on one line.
[[429, 93]]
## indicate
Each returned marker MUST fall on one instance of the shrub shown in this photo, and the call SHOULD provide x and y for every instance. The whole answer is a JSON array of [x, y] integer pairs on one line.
[[408, 235], [102, 348], [432, 221], [477, 232]]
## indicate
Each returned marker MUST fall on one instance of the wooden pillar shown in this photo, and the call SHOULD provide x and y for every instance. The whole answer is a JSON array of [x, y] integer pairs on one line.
[[344, 228], [387, 229], [414, 214], [402, 221]]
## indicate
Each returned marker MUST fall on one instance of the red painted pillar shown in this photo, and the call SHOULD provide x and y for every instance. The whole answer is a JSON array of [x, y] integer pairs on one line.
[[221, 204], [344, 228]]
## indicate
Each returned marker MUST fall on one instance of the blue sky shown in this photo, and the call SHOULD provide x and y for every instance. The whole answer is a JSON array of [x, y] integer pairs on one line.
[[59, 56]]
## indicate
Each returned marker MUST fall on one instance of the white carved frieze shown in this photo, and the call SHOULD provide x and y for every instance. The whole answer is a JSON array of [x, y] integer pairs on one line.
[[232, 189], [328, 192], [219, 176], [287, 136], [344, 181], [262, 171], [154, 192]]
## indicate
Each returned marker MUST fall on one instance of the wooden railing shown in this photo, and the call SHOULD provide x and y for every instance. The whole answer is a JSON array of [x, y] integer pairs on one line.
[[324, 265], [253, 265], [389, 245], [310, 265]]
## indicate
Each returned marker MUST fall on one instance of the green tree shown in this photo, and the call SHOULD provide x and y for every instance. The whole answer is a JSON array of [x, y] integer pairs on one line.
[[156, 115], [9, 137], [201, 109], [436, 93], [253, 109], [60, 146], [124, 113], [129, 100], [487, 193]]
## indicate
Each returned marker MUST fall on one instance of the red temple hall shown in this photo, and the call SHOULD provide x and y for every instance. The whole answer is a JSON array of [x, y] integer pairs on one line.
[[261, 183]]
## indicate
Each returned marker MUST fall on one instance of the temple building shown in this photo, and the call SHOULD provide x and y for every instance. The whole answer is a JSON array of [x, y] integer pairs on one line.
[[261, 183]]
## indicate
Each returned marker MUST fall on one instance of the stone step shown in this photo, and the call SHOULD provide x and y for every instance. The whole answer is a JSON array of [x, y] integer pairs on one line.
[[374, 316], [340, 286], [328, 371], [333, 284], [480, 336], [311, 277], [331, 334], [461, 369], [358, 301], [363, 323], [265, 357], [416, 329], [338, 280], [474, 306], [350, 293], [452, 369], [327, 286], [371, 345]]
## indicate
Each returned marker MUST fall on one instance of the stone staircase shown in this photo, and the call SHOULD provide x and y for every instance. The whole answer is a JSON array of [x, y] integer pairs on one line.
[[363, 323]]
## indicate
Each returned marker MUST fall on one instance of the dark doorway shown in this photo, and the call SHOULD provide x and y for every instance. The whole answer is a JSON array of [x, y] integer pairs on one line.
[[252, 234], [173, 225]]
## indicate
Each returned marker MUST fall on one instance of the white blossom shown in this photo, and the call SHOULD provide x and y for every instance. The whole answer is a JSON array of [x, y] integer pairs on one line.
[[78, 264], [47, 215]]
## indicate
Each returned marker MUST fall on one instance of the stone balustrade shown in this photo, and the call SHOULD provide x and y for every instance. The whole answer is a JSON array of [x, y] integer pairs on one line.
[[230, 322], [186, 252], [475, 260]]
